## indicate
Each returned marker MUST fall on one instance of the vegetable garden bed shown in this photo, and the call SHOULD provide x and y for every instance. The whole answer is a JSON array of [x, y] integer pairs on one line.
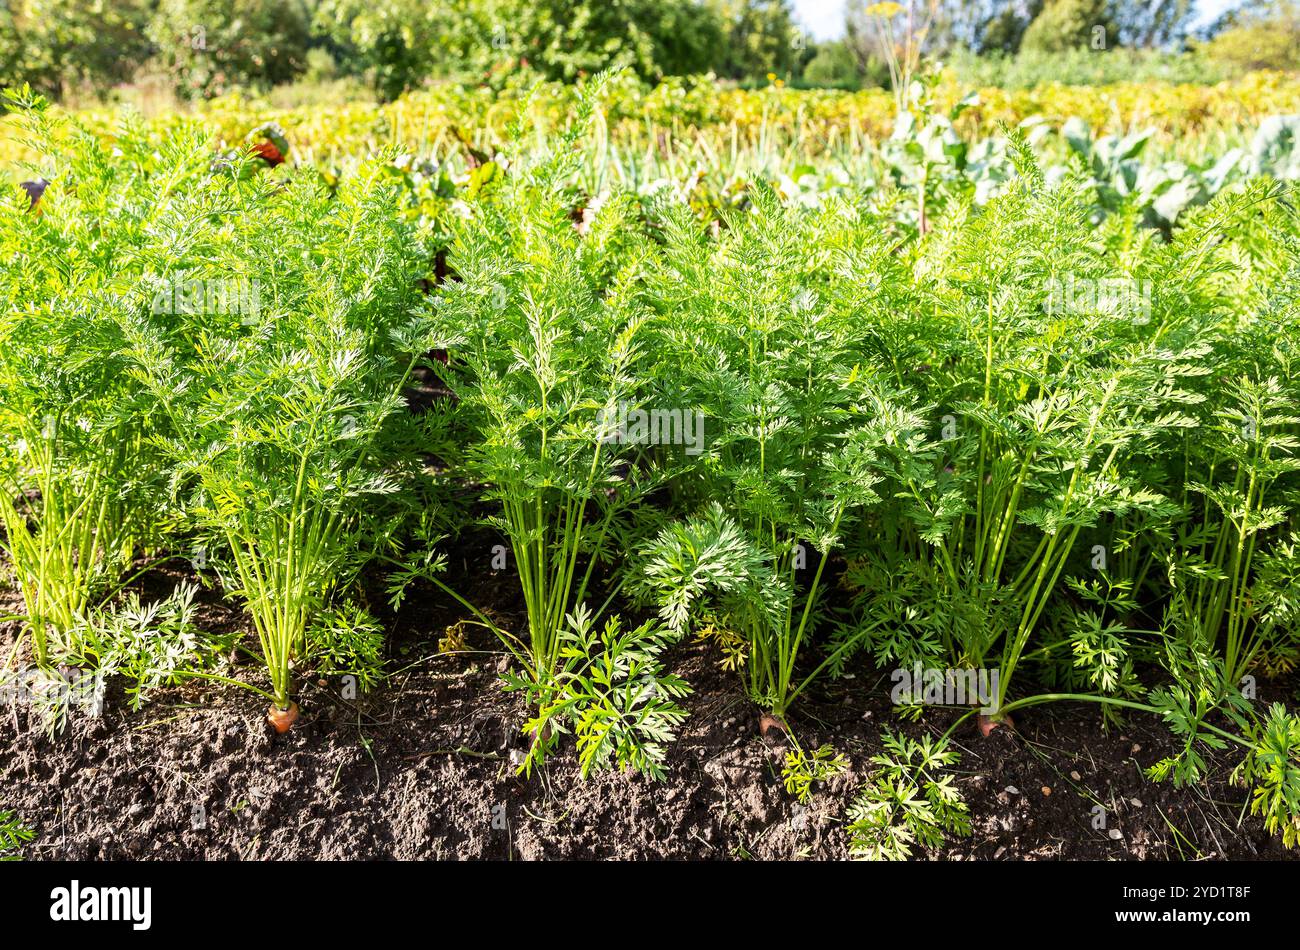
[[420, 769], [954, 516]]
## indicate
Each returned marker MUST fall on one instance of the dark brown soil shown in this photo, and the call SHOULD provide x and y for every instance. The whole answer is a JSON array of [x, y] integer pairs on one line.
[[422, 768]]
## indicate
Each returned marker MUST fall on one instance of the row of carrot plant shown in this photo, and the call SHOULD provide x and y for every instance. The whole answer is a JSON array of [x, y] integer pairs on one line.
[[1015, 440]]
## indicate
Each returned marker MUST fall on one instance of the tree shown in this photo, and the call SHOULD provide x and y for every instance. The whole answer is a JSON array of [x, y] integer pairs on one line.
[[56, 44], [1072, 24], [399, 43], [833, 65], [1004, 30], [1151, 24], [759, 37], [978, 25], [565, 39], [212, 45], [1266, 36], [395, 43]]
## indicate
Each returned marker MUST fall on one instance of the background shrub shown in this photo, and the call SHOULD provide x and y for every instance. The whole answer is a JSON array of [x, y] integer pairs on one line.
[[211, 45]]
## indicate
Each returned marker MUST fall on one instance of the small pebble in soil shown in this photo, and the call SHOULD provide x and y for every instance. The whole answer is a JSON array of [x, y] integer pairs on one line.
[[1012, 790], [1076, 776], [1115, 834], [1137, 747], [1135, 802], [1046, 791]]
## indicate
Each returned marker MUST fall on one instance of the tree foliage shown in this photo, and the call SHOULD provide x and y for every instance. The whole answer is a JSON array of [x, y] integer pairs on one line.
[[57, 44], [208, 46], [1072, 24]]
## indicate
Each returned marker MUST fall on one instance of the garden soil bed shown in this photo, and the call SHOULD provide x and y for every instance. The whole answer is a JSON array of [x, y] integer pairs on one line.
[[423, 767]]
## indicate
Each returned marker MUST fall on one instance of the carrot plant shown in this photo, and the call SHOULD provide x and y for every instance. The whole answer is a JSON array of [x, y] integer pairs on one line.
[[757, 331], [542, 331], [1233, 582], [1218, 577], [1230, 594], [1104, 428], [71, 509], [80, 482], [282, 416], [13, 835], [1056, 375]]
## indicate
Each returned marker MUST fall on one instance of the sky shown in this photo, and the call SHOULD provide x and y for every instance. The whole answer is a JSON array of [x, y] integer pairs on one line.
[[824, 19]]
